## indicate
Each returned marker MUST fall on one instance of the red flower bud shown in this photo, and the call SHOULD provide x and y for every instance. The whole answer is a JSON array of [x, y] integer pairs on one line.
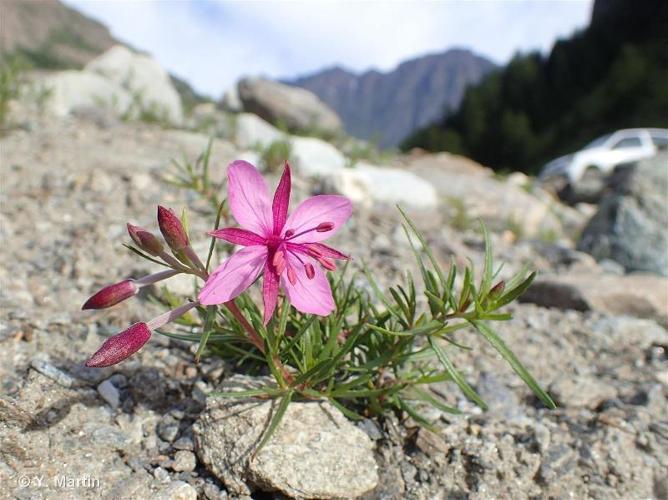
[[111, 295], [145, 240], [497, 289], [172, 229], [121, 346]]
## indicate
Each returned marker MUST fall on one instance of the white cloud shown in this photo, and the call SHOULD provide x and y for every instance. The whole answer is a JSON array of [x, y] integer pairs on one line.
[[212, 43]]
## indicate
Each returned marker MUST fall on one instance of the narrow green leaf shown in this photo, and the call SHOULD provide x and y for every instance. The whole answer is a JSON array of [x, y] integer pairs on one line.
[[381, 296], [346, 411], [456, 376], [415, 415], [512, 294], [425, 246], [275, 421], [143, 255], [512, 360], [206, 330], [488, 270], [213, 240], [434, 401], [267, 392]]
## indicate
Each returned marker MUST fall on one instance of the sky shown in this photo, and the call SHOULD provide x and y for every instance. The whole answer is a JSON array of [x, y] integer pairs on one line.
[[213, 43]]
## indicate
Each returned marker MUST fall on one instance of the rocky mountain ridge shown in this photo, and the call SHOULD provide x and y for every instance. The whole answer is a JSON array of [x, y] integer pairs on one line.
[[388, 106], [50, 34]]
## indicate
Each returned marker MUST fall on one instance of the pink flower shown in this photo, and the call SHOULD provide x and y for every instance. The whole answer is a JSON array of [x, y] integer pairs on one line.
[[286, 249]]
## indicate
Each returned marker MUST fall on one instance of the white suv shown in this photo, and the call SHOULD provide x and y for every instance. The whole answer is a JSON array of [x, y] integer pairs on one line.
[[601, 156]]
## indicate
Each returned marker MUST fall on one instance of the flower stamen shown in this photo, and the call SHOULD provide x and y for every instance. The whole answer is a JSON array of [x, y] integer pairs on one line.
[[323, 227], [327, 263]]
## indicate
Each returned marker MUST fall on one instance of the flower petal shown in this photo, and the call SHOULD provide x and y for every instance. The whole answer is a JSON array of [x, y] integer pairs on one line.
[[317, 210], [312, 296], [238, 236], [248, 198], [269, 292], [282, 200], [234, 275]]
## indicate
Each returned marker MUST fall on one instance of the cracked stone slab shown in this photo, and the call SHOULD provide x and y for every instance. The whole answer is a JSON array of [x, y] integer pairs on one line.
[[314, 453]]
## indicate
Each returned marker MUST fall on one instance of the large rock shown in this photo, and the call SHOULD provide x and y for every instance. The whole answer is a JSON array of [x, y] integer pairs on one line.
[[639, 295], [314, 453], [251, 131], [474, 192], [71, 91], [367, 184], [296, 108], [146, 81], [315, 157], [630, 225]]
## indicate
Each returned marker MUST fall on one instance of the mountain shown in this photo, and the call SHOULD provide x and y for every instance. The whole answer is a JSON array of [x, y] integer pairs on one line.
[[611, 75], [387, 107], [51, 35]]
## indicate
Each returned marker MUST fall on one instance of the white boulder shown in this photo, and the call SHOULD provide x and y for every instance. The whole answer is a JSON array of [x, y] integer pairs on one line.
[[367, 184], [71, 90], [251, 131], [316, 158], [147, 82]]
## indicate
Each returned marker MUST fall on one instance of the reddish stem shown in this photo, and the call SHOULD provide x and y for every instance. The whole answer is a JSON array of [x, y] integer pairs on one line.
[[255, 339]]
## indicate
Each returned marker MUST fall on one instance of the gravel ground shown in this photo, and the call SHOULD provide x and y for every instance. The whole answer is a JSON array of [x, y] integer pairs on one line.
[[68, 187]]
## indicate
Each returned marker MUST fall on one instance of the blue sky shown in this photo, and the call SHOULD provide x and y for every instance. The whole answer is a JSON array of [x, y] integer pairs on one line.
[[212, 43]]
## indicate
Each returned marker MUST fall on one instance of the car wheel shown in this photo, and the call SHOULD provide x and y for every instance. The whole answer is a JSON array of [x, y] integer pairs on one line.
[[592, 175], [590, 186]]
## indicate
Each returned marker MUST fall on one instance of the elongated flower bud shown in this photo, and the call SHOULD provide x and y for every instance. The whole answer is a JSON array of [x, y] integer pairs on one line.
[[121, 346], [145, 240], [172, 229], [111, 295], [497, 290]]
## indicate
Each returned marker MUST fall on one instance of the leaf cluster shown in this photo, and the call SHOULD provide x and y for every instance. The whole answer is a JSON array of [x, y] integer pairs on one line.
[[378, 351]]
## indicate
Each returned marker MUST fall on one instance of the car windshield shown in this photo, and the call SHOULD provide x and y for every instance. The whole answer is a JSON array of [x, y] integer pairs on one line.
[[597, 142]]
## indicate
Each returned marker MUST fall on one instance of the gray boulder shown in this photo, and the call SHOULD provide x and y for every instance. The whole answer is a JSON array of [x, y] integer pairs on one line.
[[638, 294], [630, 225], [298, 109], [473, 191], [315, 451]]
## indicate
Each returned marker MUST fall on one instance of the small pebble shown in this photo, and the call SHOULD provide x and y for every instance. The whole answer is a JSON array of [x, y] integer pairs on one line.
[[109, 393], [177, 490], [168, 430], [200, 390], [161, 475], [56, 374], [184, 461], [184, 443], [371, 429], [212, 492]]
